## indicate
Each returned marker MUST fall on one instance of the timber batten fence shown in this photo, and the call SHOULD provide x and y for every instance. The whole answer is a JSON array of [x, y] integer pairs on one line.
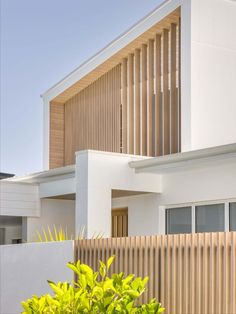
[[188, 273]]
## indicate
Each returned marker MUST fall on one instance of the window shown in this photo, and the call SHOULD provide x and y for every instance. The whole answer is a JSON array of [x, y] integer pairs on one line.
[[178, 220], [232, 216], [213, 217], [16, 241], [210, 218], [2, 236]]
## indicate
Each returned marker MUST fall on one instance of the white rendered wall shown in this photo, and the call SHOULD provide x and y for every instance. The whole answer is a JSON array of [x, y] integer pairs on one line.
[[185, 75], [58, 212], [25, 269], [19, 199], [214, 181], [213, 72], [97, 173], [142, 213], [60, 186], [202, 182]]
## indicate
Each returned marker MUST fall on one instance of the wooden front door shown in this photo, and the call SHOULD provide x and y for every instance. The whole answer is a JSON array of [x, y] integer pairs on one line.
[[119, 223]]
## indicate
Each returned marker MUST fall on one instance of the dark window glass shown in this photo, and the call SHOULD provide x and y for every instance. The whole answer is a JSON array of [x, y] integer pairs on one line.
[[2, 236], [178, 220], [210, 218], [232, 216]]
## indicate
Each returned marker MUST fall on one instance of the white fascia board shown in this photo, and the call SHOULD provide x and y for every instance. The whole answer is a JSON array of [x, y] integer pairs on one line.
[[112, 154], [146, 23], [163, 163], [45, 176]]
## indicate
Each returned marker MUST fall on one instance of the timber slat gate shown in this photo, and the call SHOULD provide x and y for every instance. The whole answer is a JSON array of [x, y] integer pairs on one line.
[[188, 273]]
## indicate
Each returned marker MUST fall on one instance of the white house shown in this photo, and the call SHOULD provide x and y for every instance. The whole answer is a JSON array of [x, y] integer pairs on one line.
[[141, 138]]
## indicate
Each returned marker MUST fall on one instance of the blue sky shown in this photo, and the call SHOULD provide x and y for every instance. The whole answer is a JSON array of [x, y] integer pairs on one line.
[[41, 42]]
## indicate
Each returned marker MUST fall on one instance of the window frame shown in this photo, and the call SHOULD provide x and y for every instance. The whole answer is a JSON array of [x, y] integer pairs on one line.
[[193, 205], [234, 201]]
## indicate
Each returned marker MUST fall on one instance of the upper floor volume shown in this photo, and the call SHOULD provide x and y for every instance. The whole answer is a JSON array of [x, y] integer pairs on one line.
[[153, 91]]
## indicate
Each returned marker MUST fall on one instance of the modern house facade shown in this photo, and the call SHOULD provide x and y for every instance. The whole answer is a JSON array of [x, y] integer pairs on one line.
[[141, 138]]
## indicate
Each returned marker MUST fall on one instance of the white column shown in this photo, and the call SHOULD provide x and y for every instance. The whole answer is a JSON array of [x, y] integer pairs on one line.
[[93, 199], [186, 142], [97, 173]]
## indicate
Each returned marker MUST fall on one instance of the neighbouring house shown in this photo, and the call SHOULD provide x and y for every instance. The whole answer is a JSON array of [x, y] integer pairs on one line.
[[141, 138], [4, 175]]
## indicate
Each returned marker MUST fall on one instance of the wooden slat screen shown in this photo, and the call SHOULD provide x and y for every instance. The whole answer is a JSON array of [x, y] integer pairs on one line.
[[158, 111], [119, 223], [134, 108], [189, 273], [151, 97], [143, 137], [92, 117], [137, 121]]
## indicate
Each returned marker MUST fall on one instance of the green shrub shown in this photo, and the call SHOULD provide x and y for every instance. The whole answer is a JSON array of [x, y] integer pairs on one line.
[[94, 292]]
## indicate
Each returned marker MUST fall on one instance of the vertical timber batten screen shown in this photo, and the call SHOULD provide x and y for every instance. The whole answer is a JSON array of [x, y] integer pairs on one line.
[[92, 117], [189, 273], [133, 108], [150, 87]]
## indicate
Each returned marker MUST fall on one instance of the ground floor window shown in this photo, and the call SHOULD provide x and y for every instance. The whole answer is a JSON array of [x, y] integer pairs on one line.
[[211, 217], [178, 220]]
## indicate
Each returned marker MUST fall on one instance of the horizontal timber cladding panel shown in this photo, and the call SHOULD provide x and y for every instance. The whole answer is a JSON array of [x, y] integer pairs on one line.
[[57, 139], [151, 97], [188, 273], [92, 117]]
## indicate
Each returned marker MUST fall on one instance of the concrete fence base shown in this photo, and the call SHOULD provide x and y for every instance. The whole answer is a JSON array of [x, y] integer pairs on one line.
[[25, 269]]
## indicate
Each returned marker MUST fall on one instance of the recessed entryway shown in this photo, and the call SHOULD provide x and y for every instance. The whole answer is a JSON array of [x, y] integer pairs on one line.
[[119, 223]]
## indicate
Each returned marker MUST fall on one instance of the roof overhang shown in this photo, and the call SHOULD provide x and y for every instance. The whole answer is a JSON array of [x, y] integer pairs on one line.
[[186, 160], [44, 176], [112, 54]]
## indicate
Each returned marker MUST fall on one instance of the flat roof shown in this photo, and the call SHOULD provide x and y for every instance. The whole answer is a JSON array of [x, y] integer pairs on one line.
[[46, 175], [173, 161], [142, 164], [161, 17], [4, 175]]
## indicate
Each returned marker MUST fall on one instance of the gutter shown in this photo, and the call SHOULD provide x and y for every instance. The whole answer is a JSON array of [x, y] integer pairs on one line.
[[52, 174], [180, 159]]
